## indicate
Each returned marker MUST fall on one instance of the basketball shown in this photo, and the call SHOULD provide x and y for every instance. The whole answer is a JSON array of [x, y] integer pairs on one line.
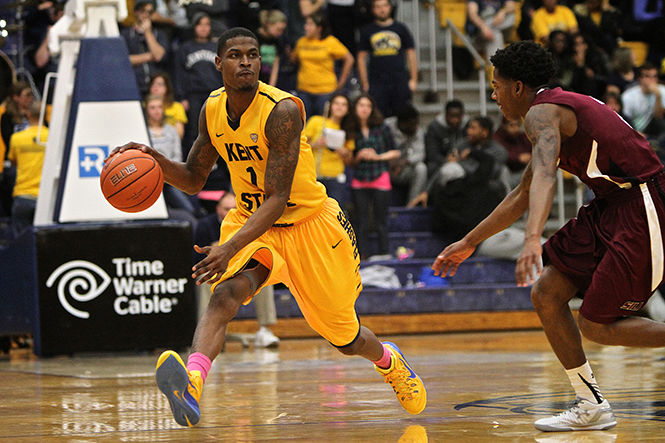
[[131, 181]]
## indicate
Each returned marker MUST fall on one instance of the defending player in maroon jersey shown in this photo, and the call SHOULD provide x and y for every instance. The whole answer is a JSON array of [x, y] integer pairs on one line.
[[611, 254]]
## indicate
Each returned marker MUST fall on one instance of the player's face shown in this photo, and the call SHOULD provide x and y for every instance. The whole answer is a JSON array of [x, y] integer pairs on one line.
[[503, 94], [239, 63]]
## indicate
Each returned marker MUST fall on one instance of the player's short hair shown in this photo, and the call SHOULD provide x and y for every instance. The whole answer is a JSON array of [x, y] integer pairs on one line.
[[233, 33], [525, 61]]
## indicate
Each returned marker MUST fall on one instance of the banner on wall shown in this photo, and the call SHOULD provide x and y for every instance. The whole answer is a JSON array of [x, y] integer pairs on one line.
[[124, 287]]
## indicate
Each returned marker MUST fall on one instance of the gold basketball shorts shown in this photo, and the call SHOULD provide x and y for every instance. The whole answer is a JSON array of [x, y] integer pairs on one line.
[[317, 258]]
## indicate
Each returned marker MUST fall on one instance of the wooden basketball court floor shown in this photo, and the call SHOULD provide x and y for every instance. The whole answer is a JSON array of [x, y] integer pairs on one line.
[[481, 387]]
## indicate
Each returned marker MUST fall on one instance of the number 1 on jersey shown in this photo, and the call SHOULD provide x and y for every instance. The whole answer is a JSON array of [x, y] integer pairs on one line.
[[252, 176]]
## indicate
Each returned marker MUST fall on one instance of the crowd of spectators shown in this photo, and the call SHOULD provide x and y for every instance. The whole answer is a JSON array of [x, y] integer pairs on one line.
[[354, 66]]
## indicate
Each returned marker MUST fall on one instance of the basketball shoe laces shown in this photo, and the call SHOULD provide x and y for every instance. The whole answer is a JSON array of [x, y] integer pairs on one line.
[[399, 380], [577, 414]]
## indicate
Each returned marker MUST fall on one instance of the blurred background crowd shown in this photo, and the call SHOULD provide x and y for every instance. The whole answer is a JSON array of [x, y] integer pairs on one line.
[[355, 66]]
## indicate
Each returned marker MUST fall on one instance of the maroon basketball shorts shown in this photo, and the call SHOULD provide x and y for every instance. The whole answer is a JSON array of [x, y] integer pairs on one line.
[[613, 250]]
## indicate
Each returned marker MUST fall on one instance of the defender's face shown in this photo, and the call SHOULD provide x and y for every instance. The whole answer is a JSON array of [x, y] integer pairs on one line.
[[240, 63], [503, 93]]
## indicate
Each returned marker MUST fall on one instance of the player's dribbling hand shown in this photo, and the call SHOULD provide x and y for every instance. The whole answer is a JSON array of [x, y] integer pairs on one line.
[[450, 258], [130, 145], [213, 265], [529, 264]]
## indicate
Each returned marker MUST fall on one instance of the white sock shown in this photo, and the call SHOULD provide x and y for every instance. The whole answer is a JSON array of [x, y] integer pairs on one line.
[[584, 383]]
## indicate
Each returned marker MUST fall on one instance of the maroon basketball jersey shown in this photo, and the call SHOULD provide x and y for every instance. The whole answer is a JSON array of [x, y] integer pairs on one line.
[[606, 153]]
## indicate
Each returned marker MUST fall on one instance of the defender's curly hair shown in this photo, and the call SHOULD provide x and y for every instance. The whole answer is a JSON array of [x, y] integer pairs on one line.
[[525, 61]]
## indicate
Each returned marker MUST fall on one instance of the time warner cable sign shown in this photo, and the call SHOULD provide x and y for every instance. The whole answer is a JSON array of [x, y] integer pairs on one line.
[[116, 287], [137, 290]]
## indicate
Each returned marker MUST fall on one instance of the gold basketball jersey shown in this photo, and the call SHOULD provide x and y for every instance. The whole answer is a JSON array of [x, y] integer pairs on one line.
[[244, 147]]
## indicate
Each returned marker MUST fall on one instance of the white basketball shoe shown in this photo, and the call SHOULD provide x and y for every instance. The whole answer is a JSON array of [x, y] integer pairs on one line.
[[582, 416], [265, 338]]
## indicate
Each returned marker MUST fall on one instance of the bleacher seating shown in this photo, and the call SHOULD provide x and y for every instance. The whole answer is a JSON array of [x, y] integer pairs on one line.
[[482, 284]]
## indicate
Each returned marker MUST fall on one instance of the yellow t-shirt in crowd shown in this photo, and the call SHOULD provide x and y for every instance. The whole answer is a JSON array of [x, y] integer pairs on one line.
[[175, 113], [328, 163], [542, 22], [316, 73], [28, 155], [245, 149]]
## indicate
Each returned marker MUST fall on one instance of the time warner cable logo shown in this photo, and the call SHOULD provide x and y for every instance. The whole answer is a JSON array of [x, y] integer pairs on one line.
[[136, 289], [91, 160], [78, 275]]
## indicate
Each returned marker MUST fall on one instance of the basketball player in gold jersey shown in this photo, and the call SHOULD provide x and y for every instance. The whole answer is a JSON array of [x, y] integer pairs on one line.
[[284, 229]]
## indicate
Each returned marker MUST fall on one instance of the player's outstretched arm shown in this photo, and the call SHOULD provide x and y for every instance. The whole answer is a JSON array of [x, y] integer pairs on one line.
[[282, 130], [543, 127], [189, 176]]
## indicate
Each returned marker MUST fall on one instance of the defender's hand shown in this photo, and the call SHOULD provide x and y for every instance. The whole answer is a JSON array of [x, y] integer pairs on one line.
[[450, 258], [529, 264]]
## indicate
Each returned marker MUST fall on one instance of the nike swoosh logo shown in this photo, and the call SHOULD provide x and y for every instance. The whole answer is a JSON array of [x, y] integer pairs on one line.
[[413, 374], [219, 135], [335, 245]]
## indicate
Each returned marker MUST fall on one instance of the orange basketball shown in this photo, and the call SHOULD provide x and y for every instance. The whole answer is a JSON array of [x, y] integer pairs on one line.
[[131, 181]]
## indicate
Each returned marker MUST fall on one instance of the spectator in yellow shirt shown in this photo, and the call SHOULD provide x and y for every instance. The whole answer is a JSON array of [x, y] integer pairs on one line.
[[552, 17], [174, 112], [27, 154], [316, 53], [331, 147]]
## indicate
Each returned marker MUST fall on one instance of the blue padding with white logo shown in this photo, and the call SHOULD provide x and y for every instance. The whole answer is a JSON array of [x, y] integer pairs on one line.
[[92, 160]]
